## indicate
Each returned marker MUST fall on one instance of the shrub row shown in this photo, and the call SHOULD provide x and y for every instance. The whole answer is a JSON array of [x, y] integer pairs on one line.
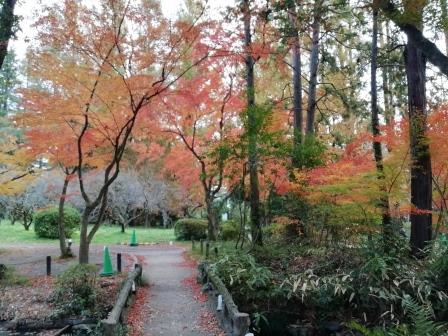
[[194, 228]]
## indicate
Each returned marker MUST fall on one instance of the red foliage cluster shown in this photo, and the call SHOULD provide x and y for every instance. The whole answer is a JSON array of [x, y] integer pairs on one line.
[[138, 312]]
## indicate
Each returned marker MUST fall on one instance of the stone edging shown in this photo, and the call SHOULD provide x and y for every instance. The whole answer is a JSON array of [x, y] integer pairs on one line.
[[232, 320], [116, 315]]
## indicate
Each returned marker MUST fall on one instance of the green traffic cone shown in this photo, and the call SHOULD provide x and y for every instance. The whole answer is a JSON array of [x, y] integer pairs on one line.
[[133, 239], [107, 264]]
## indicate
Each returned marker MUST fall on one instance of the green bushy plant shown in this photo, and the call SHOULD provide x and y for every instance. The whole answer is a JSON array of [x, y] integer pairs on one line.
[[373, 288], [438, 264], [244, 277], [310, 153], [46, 222], [77, 292], [190, 228], [420, 322], [229, 230]]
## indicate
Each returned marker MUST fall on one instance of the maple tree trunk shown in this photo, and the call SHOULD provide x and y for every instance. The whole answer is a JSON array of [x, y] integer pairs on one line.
[[83, 241], [253, 155], [377, 150], [314, 65], [421, 175], [62, 244], [6, 24], [297, 84], [211, 219]]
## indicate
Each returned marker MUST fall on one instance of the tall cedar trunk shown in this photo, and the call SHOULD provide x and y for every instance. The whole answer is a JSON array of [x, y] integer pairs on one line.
[[421, 176], [62, 244], [297, 80], [314, 65], [6, 24], [253, 155], [389, 111], [445, 22], [377, 150]]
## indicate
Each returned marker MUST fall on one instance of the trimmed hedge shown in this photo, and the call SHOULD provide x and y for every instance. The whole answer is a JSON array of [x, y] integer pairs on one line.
[[229, 230], [46, 222], [190, 228]]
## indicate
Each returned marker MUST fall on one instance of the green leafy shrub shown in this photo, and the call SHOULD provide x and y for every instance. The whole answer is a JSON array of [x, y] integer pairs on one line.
[[438, 264], [190, 228], [77, 292], [229, 230], [46, 222], [420, 322], [244, 277], [310, 153], [374, 288]]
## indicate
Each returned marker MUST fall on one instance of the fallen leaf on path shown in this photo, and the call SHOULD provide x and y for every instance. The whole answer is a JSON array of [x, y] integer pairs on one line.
[[138, 313], [209, 323]]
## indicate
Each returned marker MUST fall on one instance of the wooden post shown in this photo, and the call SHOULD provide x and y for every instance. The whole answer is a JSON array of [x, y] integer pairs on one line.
[[216, 251], [202, 246], [48, 265], [119, 262], [192, 244], [207, 249]]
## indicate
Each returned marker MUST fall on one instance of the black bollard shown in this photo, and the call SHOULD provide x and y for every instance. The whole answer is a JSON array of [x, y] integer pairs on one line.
[[192, 244], [207, 248], [119, 262], [202, 246], [48, 265], [216, 251]]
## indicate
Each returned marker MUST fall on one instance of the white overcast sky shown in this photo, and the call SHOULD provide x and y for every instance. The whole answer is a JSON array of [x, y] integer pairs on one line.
[[29, 9]]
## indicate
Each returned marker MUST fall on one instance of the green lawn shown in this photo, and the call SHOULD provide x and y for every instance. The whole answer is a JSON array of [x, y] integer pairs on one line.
[[105, 235]]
